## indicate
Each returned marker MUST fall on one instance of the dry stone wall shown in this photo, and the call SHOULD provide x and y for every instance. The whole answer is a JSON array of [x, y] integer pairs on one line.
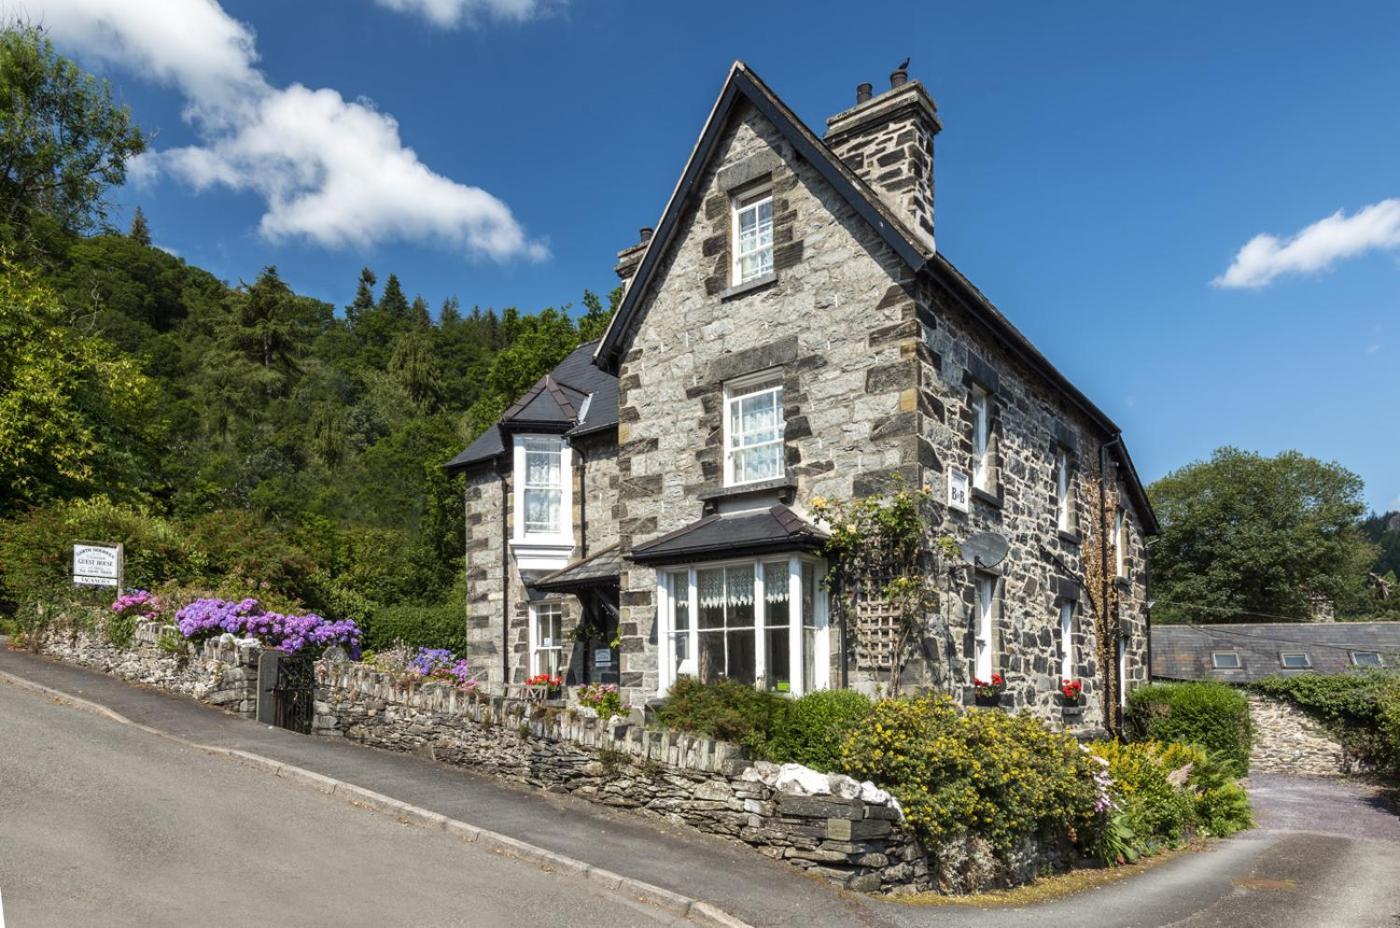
[[222, 672], [1288, 740], [829, 825]]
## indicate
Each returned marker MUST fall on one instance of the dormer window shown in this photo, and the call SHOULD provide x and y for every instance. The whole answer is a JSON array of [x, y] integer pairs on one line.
[[753, 236], [542, 493], [753, 430]]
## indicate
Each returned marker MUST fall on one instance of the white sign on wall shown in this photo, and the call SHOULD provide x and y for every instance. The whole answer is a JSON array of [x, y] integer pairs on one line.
[[97, 565], [602, 656], [958, 490]]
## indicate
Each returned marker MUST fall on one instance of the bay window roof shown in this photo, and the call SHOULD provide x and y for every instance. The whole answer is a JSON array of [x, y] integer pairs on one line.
[[733, 535]]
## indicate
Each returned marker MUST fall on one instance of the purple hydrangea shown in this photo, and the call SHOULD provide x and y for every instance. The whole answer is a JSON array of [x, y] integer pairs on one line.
[[206, 618], [141, 602], [441, 664]]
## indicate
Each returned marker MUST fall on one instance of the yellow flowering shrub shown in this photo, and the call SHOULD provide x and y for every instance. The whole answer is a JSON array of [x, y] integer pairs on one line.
[[1158, 811], [999, 776]]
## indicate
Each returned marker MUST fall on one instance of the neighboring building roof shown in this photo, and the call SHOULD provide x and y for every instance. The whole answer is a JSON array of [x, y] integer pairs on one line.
[[1186, 652], [744, 84], [576, 398], [733, 535], [602, 568]]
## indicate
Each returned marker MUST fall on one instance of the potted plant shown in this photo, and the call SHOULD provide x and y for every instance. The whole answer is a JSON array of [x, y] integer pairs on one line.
[[545, 686], [1072, 699], [988, 692]]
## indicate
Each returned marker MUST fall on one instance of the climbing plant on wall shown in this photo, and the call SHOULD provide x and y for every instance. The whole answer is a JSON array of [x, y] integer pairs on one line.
[[1098, 554]]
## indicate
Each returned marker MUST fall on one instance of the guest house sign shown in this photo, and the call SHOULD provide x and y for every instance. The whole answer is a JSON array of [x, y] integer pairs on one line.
[[97, 564]]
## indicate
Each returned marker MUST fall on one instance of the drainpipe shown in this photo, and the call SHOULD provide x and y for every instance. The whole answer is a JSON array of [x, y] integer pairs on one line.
[[1111, 705], [505, 578]]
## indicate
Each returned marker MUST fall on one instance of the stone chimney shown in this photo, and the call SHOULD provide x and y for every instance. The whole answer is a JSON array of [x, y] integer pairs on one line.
[[888, 141], [629, 258]]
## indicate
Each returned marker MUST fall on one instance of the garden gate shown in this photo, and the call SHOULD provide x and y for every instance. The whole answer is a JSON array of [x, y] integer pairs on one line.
[[287, 690]]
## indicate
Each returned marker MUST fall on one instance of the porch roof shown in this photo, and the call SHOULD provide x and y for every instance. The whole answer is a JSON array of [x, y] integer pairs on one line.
[[716, 536]]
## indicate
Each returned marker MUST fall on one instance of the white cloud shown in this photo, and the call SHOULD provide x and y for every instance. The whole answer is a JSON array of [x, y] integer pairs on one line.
[[450, 13], [1317, 247], [331, 171]]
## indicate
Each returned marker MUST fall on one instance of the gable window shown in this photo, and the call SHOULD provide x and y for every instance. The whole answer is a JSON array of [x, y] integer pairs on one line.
[[753, 431], [546, 637], [753, 236], [1367, 659], [985, 605], [543, 496], [761, 623], [981, 437], [1294, 660], [1067, 640], [1225, 660], [1063, 502]]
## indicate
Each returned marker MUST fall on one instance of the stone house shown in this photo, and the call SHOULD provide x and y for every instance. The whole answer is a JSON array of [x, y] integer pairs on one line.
[[789, 331]]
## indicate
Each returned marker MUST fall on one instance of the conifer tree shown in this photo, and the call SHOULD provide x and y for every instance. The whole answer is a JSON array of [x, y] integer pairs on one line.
[[140, 232]]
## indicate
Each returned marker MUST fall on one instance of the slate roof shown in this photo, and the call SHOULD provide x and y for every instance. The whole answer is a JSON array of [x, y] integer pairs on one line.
[[733, 535], [1184, 652], [575, 398], [598, 569], [743, 84]]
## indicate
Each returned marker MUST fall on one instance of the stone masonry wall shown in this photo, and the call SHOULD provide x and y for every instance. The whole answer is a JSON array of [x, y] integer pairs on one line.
[[829, 825], [222, 672], [1288, 740], [820, 321]]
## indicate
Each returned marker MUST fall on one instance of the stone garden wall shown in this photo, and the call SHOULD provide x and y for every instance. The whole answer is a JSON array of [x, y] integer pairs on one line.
[[1288, 740], [222, 672], [850, 833]]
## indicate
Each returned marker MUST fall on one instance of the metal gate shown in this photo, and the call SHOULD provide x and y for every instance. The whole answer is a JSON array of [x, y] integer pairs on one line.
[[287, 691]]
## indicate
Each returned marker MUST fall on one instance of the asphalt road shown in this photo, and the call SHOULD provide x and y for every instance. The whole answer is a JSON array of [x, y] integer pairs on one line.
[[104, 825]]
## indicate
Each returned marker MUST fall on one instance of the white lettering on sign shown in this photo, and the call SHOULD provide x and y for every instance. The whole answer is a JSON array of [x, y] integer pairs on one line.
[[957, 490], [97, 565]]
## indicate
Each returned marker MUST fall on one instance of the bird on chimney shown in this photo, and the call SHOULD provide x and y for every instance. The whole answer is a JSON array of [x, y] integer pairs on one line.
[[903, 65]]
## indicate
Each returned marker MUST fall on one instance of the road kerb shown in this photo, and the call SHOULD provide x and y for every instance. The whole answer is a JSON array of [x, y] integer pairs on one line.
[[704, 913]]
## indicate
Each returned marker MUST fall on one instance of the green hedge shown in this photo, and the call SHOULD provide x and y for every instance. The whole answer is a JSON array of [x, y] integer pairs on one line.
[[1362, 709], [725, 709], [442, 626], [1210, 715], [811, 730]]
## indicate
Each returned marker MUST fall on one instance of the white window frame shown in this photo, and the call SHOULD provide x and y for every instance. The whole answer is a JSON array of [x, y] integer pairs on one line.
[[542, 550], [1122, 672], [1120, 544], [1215, 660], [740, 204], [985, 597], [981, 403], [747, 388], [668, 670], [1283, 657], [538, 645], [1066, 640], [1380, 659], [1063, 489]]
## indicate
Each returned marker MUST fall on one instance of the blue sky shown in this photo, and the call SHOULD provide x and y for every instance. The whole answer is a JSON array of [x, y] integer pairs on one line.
[[1100, 165]]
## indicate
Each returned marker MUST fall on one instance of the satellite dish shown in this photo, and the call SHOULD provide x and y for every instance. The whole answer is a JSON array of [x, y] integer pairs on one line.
[[985, 549]]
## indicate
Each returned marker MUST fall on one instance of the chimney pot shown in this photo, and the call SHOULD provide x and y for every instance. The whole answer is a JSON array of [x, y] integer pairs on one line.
[[863, 92], [646, 233], [898, 78]]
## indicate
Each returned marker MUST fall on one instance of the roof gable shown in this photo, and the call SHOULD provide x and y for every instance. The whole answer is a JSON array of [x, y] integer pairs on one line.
[[742, 85]]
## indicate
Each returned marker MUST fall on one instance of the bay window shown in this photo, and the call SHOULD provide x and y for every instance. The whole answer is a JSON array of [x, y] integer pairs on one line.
[[546, 638], [760, 622], [753, 430]]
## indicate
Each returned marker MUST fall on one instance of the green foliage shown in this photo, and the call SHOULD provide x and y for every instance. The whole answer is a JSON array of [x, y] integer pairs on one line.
[[442, 626], [812, 729], [726, 709], [63, 140], [1362, 709], [1159, 813], [1212, 716], [172, 642], [121, 629], [999, 776], [1248, 536], [73, 411]]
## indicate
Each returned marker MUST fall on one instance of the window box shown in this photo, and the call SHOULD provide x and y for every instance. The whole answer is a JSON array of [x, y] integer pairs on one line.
[[1072, 713]]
